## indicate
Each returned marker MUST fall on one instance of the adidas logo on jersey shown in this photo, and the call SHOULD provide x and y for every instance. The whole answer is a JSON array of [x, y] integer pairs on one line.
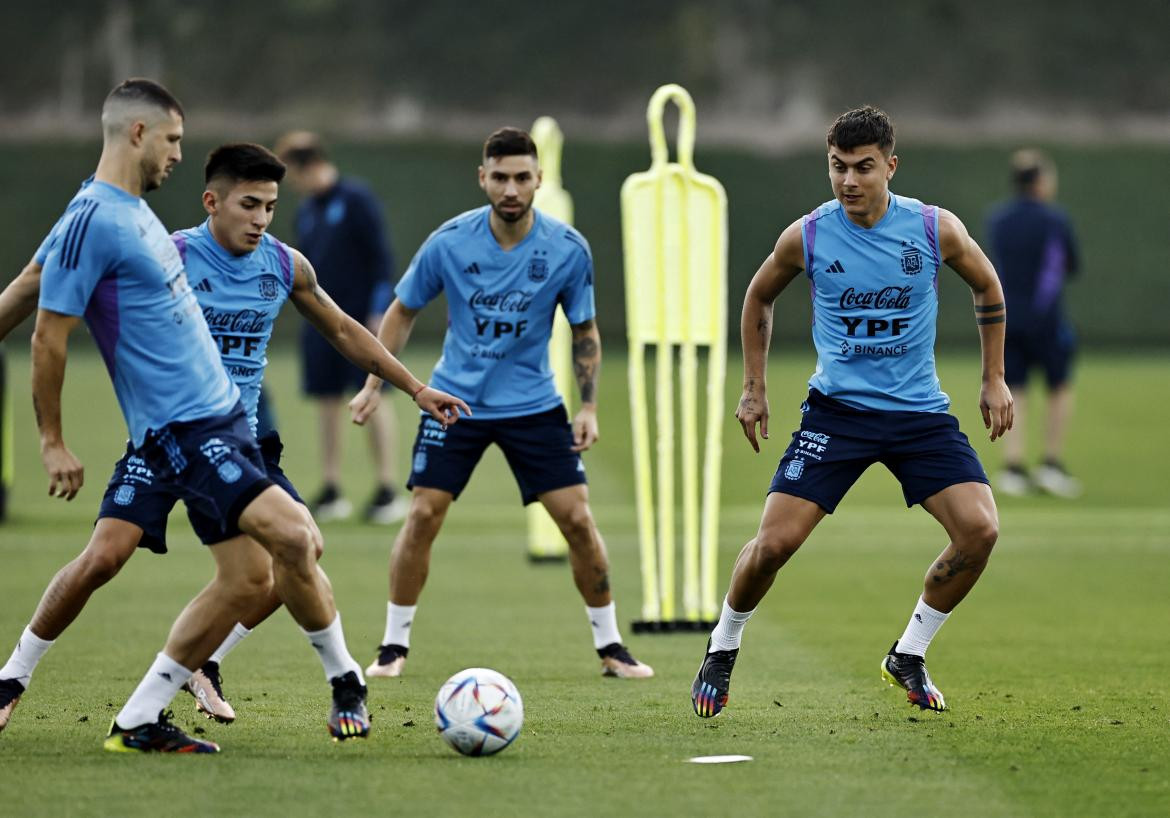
[[203, 286], [471, 269], [835, 267]]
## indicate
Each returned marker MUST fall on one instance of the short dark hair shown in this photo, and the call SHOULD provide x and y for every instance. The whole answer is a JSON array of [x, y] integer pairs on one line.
[[1027, 168], [138, 89], [301, 148], [243, 162], [866, 125], [509, 142]]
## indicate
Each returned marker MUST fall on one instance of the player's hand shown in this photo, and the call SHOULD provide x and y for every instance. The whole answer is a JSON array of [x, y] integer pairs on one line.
[[585, 431], [66, 474], [997, 406], [365, 403], [753, 409], [441, 406]]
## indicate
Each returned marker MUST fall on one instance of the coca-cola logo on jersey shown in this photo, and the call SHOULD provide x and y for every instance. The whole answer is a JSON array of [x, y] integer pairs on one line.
[[887, 298], [238, 321], [510, 301]]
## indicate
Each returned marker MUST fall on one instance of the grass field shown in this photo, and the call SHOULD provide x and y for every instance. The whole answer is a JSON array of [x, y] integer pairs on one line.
[[1055, 668]]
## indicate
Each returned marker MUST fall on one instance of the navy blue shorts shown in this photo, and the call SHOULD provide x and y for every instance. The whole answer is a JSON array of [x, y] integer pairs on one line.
[[1051, 352], [835, 443], [537, 447], [138, 495]]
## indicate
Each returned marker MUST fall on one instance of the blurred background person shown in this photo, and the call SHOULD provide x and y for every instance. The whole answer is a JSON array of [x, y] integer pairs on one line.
[[340, 229], [1035, 252]]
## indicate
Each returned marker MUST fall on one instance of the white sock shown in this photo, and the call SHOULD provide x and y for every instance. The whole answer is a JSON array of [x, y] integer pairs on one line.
[[729, 629], [330, 646], [154, 692], [238, 634], [923, 625], [23, 661], [398, 621], [603, 621]]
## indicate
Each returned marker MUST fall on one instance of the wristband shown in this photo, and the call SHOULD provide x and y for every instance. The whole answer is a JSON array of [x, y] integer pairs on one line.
[[414, 395]]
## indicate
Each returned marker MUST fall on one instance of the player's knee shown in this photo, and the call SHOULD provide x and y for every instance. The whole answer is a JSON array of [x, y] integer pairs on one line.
[[982, 534], [775, 546], [577, 525], [99, 563], [425, 515], [294, 542]]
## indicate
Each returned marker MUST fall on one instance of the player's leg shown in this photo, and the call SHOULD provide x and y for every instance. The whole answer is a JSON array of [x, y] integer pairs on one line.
[[1013, 479], [785, 524], [937, 467], [442, 461], [410, 562], [387, 505], [113, 542], [569, 509], [330, 504], [241, 574], [1052, 476]]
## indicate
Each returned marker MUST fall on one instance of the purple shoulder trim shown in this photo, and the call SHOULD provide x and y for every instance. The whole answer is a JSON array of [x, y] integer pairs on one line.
[[285, 256]]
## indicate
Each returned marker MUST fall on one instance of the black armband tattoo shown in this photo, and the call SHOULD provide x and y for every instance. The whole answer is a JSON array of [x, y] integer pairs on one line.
[[989, 307], [995, 319]]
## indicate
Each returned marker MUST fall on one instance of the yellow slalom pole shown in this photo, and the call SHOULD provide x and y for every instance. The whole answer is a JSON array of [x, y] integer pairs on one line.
[[674, 227], [545, 541]]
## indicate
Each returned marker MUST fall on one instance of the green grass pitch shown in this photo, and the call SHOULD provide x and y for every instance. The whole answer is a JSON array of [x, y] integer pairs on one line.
[[1055, 668]]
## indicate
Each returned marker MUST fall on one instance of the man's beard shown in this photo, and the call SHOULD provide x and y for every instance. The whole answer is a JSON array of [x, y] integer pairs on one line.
[[152, 177], [512, 216]]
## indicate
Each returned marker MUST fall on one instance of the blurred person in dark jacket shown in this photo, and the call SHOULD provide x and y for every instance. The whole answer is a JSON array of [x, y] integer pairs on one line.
[[1035, 251], [340, 229]]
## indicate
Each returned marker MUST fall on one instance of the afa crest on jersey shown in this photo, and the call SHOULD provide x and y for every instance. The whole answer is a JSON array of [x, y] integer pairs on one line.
[[268, 288], [538, 269], [911, 261]]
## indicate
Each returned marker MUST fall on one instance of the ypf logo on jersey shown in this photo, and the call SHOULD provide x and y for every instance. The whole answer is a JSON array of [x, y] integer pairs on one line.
[[268, 287]]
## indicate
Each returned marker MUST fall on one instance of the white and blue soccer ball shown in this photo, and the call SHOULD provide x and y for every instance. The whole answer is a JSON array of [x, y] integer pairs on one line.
[[478, 711]]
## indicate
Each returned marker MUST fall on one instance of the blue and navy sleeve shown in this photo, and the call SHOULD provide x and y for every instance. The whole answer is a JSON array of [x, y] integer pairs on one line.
[[81, 249], [423, 279], [576, 294]]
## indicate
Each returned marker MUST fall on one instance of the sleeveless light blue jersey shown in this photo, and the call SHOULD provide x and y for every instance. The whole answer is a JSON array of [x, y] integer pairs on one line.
[[109, 259], [875, 306], [241, 297], [500, 308]]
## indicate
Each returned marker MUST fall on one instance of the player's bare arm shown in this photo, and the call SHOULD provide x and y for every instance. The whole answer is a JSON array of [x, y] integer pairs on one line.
[[783, 264], [587, 370], [19, 299], [967, 259], [360, 347], [393, 333], [50, 342]]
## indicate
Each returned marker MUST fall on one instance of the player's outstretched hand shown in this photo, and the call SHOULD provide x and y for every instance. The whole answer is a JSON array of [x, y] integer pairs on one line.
[[997, 406], [753, 409], [585, 430], [364, 404], [66, 474], [442, 407]]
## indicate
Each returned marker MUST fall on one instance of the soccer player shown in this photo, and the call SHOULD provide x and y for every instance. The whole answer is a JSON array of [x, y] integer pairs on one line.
[[873, 260], [340, 229], [242, 279], [1035, 252], [505, 268]]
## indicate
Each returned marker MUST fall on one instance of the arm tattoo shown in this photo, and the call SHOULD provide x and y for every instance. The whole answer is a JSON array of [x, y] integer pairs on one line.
[[586, 360], [989, 307], [311, 277], [997, 319]]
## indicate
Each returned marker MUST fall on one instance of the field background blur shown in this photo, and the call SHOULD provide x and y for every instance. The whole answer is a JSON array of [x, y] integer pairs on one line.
[[1056, 669]]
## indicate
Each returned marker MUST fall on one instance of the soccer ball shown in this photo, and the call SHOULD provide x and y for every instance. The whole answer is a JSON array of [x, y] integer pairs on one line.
[[478, 711]]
